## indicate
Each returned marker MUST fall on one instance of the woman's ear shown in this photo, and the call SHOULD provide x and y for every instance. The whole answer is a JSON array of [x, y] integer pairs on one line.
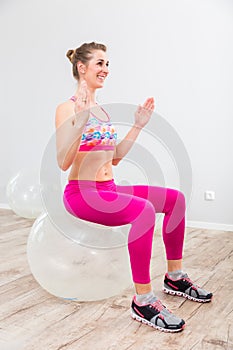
[[81, 67]]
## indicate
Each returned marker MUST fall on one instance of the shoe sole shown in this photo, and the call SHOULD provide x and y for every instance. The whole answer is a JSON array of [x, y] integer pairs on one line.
[[181, 294], [143, 320]]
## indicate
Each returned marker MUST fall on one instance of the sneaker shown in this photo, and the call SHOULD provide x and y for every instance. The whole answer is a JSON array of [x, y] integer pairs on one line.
[[156, 315], [186, 288]]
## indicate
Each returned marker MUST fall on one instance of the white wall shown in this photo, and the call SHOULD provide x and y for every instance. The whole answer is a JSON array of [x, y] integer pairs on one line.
[[179, 51]]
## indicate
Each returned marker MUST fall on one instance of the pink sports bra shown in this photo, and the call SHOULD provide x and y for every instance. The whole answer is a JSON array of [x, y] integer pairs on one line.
[[98, 135]]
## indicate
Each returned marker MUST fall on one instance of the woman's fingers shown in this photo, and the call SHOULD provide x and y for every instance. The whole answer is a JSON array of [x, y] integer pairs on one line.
[[83, 87], [84, 93], [149, 101], [149, 104], [84, 90], [83, 100]]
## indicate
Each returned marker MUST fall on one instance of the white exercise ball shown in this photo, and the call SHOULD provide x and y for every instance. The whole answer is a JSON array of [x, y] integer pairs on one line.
[[68, 269], [23, 194]]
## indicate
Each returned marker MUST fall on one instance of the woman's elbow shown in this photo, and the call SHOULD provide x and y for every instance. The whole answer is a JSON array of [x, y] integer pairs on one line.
[[62, 163], [62, 166], [115, 161]]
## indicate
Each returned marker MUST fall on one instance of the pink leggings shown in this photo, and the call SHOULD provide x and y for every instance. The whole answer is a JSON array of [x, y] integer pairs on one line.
[[113, 205]]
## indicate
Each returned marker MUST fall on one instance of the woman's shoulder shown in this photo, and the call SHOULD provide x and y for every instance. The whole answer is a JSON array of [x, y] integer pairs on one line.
[[64, 110], [65, 105], [68, 102]]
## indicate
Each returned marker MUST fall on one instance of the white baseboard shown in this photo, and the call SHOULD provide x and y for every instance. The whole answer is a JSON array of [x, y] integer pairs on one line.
[[209, 225], [195, 224], [4, 206]]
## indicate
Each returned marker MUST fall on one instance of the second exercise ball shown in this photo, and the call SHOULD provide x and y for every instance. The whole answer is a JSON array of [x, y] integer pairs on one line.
[[23, 193], [69, 270]]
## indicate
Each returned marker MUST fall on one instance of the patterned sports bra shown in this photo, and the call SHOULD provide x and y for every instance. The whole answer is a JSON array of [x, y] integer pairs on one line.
[[98, 135]]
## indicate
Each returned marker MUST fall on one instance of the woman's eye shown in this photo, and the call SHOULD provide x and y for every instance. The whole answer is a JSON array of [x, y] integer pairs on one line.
[[101, 63]]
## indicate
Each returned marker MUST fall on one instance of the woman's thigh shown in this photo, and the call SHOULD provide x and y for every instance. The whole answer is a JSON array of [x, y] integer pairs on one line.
[[169, 201], [158, 196], [106, 207]]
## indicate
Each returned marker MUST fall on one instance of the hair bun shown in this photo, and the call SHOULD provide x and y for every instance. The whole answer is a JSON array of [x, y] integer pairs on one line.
[[70, 54]]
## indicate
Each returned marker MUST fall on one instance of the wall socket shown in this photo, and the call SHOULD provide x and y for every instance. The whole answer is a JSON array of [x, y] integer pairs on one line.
[[209, 195]]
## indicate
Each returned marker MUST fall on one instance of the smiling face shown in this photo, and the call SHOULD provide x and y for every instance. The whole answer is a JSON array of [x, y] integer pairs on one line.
[[96, 71]]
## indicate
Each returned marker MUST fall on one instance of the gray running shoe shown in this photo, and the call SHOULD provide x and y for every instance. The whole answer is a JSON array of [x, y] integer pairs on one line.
[[186, 288], [156, 315]]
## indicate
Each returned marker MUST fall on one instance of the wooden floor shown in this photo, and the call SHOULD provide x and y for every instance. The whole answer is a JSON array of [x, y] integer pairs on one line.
[[30, 318]]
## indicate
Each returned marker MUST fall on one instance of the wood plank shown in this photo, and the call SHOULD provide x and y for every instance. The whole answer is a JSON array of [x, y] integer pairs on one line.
[[31, 318]]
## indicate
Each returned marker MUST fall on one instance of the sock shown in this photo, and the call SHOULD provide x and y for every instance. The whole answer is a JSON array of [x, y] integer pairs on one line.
[[175, 275], [146, 298]]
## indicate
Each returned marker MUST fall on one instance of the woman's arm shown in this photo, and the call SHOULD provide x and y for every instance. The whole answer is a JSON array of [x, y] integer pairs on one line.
[[68, 134], [125, 145], [142, 117], [69, 128]]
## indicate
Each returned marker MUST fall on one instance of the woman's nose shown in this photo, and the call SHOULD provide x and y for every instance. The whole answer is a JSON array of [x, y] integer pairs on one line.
[[105, 69]]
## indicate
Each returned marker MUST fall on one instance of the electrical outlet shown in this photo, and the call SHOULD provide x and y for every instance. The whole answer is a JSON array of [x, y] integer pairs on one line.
[[209, 195]]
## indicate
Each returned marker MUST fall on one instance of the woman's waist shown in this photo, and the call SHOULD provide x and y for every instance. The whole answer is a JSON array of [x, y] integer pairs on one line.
[[80, 184], [100, 176], [91, 172]]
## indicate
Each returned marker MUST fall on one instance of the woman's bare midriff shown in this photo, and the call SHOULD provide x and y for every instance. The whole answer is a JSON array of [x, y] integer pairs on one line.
[[93, 165]]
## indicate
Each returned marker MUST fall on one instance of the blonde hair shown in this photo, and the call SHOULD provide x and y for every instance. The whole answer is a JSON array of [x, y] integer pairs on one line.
[[83, 54]]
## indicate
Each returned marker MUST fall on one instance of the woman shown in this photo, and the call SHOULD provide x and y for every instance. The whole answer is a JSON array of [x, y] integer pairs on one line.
[[86, 142]]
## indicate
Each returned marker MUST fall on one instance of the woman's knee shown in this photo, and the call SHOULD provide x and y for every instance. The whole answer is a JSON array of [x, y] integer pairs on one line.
[[147, 215], [177, 199], [143, 225], [181, 199]]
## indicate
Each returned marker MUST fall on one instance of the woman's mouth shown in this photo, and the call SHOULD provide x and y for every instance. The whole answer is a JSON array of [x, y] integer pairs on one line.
[[101, 77]]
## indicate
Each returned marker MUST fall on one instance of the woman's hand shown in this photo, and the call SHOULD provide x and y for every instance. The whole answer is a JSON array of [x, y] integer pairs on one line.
[[144, 112], [82, 106], [83, 100]]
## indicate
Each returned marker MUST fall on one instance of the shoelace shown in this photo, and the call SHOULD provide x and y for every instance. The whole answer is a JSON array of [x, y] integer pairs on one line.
[[194, 285], [158, 305]]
